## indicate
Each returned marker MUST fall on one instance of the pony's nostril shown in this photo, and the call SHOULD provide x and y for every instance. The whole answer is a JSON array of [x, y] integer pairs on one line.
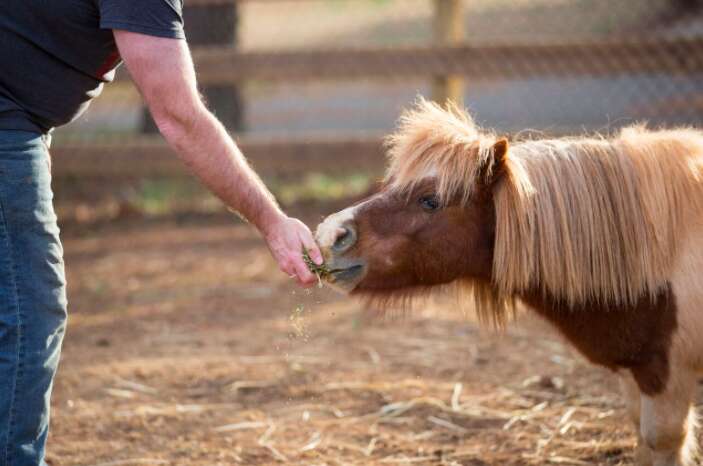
[[342, 238], [346, 237]]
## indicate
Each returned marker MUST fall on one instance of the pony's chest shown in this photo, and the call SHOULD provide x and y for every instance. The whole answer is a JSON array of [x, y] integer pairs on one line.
[[635, 337]]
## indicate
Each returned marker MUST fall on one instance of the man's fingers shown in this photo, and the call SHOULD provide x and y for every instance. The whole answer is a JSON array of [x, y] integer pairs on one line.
[[294, 266], [305, 277], [288, 267], [314, 252], [310, 245]]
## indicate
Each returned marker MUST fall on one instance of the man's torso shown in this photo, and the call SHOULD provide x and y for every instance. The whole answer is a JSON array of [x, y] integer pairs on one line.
[[57, 54]]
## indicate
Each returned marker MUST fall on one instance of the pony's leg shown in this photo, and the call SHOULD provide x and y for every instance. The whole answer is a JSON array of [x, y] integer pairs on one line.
[[631, 394], [668, 421]]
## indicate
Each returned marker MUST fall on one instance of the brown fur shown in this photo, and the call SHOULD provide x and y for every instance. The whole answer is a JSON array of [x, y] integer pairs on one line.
[[635, 337]]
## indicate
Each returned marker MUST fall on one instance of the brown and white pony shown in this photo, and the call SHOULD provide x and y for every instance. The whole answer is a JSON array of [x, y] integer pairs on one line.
[[601, 237]]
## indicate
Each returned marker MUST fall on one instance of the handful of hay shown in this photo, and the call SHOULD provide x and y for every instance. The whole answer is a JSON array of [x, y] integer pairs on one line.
[[322, 271]]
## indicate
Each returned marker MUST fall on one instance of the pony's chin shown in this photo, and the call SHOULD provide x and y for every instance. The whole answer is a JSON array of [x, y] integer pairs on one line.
[[345, 280]]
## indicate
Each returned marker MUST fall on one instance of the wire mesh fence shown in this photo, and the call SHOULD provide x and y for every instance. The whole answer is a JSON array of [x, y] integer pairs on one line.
[[298, 74]]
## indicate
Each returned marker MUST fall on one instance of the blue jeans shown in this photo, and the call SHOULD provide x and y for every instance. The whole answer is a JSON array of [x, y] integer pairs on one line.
[[32, 297]]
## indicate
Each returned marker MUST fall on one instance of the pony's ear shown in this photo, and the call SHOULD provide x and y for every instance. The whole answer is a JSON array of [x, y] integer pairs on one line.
[[497, 165]]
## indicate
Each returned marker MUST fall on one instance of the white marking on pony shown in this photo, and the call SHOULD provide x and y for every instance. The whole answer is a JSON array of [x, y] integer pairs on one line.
[[668, 421], [631, 393], [330, 229]]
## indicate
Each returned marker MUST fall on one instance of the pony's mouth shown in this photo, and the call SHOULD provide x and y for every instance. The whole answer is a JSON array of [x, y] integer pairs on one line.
[[346, 274], [345, 277]]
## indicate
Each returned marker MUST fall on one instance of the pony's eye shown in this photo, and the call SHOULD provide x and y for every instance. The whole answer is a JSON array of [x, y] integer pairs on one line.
[[429, 203]]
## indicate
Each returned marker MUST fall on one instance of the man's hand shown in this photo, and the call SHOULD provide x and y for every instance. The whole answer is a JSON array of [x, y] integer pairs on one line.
[[286, 238]]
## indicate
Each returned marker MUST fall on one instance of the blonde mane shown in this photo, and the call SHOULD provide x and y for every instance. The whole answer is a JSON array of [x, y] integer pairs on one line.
[[580, 219]]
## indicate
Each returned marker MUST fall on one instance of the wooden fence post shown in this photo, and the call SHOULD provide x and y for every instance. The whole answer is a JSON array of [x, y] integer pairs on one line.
[[448, 29], [213, 25]]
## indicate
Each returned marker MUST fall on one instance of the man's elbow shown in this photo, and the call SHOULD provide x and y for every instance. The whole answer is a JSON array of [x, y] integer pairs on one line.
[[177, 121]]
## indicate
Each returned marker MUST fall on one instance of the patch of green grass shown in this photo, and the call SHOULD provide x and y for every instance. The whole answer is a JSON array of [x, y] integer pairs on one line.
[[163, 196], [160, 196], [317, 186]]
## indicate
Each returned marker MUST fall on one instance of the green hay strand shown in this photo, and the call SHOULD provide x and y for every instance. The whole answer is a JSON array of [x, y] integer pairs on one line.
[[322, 271]]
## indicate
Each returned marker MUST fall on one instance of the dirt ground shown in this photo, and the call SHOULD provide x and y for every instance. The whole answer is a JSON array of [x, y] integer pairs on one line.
[[187, 347]]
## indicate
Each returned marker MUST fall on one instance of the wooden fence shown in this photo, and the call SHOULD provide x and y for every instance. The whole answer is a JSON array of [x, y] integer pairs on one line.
[[443, 61]]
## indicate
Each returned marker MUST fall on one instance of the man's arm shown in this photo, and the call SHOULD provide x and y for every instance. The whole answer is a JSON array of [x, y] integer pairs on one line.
[[163, 71]]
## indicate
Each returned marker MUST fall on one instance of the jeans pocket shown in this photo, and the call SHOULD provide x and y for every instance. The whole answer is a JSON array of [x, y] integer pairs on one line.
[[25, 186]]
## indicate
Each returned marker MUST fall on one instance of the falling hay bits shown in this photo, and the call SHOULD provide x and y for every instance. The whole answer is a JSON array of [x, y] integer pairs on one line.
[[297, 321]]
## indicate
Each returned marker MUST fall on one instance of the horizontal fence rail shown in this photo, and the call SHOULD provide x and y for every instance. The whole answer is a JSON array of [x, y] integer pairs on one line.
[[672, 56], [150, 156]]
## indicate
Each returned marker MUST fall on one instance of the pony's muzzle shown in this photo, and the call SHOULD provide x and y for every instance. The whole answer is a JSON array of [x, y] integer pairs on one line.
[[337, 235]]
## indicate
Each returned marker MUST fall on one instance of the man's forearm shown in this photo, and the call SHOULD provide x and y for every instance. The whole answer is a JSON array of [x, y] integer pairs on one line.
[[163, 71], [210, 153]]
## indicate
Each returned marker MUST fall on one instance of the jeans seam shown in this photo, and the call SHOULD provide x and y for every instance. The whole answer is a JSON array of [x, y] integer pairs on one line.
[[20, 336]]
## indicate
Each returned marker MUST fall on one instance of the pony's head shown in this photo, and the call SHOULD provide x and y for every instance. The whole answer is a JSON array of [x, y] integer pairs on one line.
[[433, 220]]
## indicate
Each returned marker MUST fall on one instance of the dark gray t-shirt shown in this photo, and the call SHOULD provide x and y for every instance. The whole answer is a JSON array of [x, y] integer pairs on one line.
[[55, 55]]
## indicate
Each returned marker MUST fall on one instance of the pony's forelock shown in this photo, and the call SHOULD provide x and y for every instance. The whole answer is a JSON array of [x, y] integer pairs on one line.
[[439, 143]]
